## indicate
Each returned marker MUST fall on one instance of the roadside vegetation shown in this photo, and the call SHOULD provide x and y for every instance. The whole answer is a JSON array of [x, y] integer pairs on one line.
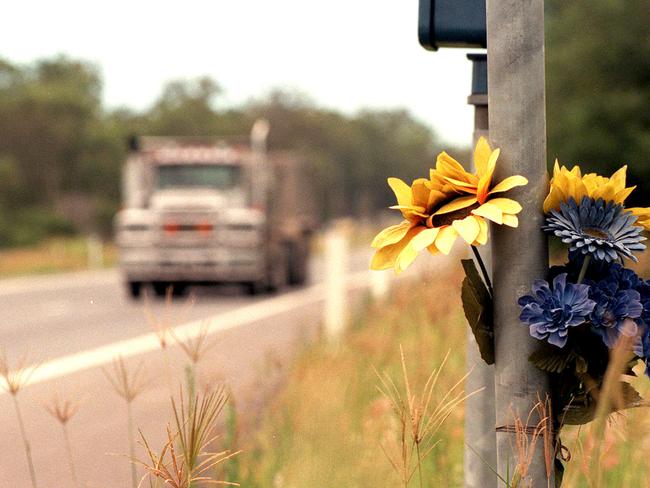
[[53, 255], [331, 425]]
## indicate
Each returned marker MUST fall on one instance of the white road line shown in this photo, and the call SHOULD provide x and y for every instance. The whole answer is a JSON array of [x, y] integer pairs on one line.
[[100, 356]]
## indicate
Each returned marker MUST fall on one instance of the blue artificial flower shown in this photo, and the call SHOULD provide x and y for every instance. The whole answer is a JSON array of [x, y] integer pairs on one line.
[[617, 307], [600, 229], [550, 312], [627, 279]]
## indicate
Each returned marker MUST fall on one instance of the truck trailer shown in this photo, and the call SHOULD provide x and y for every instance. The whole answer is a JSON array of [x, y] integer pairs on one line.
[[210, 210]]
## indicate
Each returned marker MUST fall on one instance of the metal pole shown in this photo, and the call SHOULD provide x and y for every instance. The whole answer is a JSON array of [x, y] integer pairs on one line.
[[480, 456], [515, 39]]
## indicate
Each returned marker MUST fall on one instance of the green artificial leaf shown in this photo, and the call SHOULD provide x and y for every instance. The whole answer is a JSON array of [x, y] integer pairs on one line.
[[556, 360], [631, 397], [578, 414], [581, 364], [552, 360], [477, 305], [584, 411]]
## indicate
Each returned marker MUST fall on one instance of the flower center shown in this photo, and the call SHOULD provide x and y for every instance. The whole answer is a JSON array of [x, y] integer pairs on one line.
[[597, 233], [448, 218]]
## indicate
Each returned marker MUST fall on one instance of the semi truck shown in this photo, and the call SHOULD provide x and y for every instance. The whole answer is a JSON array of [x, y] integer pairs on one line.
[[211, 210]]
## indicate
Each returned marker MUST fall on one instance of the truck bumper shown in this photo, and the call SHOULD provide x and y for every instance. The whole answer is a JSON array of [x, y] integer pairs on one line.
[[192, 265]]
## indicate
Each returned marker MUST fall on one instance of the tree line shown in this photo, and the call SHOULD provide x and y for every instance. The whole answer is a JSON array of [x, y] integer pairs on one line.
[[61, 150]]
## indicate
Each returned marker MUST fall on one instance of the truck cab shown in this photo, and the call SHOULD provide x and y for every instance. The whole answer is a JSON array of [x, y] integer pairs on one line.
[[204, 211]]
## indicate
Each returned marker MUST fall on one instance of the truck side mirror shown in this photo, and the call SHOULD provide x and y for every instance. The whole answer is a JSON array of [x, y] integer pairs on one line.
[[452, 23]]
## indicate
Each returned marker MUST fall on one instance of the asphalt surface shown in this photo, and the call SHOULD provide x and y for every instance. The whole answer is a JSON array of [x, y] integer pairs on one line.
[[58, 316]]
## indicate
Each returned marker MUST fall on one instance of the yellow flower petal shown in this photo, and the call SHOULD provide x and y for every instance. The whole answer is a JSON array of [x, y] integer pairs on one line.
[[553, 199], [482, 237], [490, 212], [424, 238], [617, 180], [448, 166], [481, 156], [391, 235], [461, 184], [409, 211], [409, 252], [620, 196], [506, 205], [387, 256], [402, 191], [433, 250], [509, 183], [420, 193], [456, 204], [510, 220], [445, 239], [468, 228]]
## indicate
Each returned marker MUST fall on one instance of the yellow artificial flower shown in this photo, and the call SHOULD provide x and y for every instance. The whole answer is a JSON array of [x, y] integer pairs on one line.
[[451, 203], [567, 184]]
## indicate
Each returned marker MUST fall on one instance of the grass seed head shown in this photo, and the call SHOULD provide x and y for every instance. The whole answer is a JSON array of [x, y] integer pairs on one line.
[[62, 410], [16, 377], [194, 347], [127, 384], [184, 460]]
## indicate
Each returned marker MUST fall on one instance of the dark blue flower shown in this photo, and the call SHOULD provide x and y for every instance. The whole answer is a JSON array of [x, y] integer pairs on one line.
[[550, 312], [600, 229], [627, 279], [617, 306]]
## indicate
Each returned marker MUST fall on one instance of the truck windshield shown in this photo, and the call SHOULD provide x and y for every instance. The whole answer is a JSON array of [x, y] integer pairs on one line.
[[221, 176]]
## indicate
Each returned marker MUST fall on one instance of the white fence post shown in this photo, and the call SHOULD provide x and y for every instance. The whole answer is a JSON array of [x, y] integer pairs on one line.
[[95, 249], [336, 268]]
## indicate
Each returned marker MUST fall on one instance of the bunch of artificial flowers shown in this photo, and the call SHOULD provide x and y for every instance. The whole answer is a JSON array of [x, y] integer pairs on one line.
[[592, 303], [584, 307]]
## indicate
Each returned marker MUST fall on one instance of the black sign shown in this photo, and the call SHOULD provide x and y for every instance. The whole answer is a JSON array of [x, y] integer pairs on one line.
[[452, 23]]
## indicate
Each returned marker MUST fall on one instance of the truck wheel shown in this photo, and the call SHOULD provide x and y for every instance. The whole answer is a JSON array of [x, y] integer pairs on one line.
[[297, 263], [160, 288], [179, 289], [259, 287], [278, 274], [134, 289]]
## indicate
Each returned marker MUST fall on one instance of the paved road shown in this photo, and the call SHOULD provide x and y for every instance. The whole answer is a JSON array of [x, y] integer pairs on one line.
[[51, 317]]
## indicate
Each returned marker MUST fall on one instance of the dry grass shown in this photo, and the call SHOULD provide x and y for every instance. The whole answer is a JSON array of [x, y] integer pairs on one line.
[[327, 424], [14, 379], [63, 411], [196, 347], [128, 384], [419, 418], [52, 256], [184, 460]]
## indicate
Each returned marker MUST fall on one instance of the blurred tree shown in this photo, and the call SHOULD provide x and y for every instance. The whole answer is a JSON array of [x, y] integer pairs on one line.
[[61, 152], [598, 77], [351, 155]]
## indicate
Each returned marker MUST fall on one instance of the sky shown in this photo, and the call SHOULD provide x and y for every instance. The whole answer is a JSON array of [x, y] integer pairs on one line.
[[343, 54]]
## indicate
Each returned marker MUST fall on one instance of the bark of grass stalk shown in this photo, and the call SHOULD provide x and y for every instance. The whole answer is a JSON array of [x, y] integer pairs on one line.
[[130, 423], [68, 448], [231, 468], [190, 378], [26, 444]]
